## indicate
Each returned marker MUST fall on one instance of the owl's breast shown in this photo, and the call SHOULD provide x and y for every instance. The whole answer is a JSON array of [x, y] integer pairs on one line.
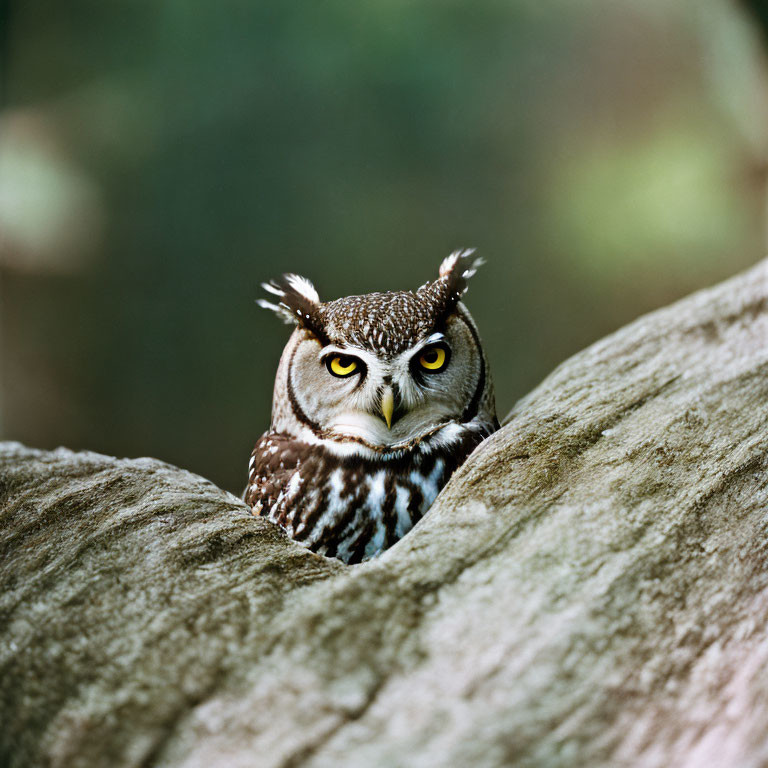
[[349, 506]]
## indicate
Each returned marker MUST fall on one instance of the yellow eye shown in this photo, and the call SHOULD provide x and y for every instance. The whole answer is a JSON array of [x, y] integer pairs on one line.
[[433, 359], [342, 365]]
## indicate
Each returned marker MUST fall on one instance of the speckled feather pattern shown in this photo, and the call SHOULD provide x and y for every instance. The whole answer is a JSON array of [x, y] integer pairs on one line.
[[350, 507], [385, 322], [343, 496]]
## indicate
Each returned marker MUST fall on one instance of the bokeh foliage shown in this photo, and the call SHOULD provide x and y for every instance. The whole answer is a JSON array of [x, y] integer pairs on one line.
[[158, 160]]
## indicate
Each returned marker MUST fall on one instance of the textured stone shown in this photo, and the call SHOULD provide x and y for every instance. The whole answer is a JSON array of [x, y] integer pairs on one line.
[[591, 588]]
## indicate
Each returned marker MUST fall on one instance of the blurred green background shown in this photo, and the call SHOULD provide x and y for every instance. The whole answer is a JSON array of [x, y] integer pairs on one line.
[[159, 159]]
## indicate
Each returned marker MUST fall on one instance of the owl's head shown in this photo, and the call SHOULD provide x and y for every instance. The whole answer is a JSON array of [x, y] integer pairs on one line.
[[384, 371]]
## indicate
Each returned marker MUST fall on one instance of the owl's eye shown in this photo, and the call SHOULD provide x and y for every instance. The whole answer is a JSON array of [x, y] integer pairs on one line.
[[433, 359], [342, 365]]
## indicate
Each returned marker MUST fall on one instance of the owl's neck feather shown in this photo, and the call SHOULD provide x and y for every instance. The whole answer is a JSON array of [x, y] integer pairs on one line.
[[440, 437]]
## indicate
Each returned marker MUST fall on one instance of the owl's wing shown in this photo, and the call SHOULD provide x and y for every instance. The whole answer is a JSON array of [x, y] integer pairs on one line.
[[274, 462]]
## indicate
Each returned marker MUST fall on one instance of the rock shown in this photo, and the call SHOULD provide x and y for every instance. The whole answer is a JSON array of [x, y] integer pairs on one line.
[[591, 588]]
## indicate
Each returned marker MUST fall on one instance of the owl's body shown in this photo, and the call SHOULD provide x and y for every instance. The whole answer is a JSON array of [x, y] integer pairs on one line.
[[378, 399], [350, 507]]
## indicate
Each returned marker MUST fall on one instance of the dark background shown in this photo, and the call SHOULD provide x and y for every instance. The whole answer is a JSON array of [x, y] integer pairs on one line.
[[159, 159]]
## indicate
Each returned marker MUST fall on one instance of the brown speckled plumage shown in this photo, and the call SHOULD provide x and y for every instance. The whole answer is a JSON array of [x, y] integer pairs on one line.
[[304, 490], [327, 471]]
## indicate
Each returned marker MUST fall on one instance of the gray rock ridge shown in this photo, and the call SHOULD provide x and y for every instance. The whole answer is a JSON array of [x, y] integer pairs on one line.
[[591, 588]]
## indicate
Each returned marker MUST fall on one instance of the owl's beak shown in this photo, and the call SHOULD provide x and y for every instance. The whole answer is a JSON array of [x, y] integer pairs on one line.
[[388, 406]]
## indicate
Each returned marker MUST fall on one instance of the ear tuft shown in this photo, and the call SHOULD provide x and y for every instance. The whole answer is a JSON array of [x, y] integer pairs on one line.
[[302, 287], [444, 293], [457, 269], [297, 302]]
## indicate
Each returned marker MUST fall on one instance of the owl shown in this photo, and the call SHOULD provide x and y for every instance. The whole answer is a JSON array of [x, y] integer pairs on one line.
[[377, 400]]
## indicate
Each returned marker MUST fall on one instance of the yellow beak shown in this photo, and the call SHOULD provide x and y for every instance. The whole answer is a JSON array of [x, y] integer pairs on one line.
[[387, 406]]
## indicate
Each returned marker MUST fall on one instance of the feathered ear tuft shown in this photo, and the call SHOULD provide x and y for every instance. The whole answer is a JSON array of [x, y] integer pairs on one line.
[[444, 293], [297, 302], [456, 270]]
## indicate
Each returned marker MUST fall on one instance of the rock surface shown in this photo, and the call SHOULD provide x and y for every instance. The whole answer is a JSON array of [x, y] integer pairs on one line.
[[591, 588]]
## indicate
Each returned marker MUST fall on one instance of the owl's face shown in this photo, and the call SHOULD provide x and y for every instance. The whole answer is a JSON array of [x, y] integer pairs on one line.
[[385, 399], [381, 371]]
